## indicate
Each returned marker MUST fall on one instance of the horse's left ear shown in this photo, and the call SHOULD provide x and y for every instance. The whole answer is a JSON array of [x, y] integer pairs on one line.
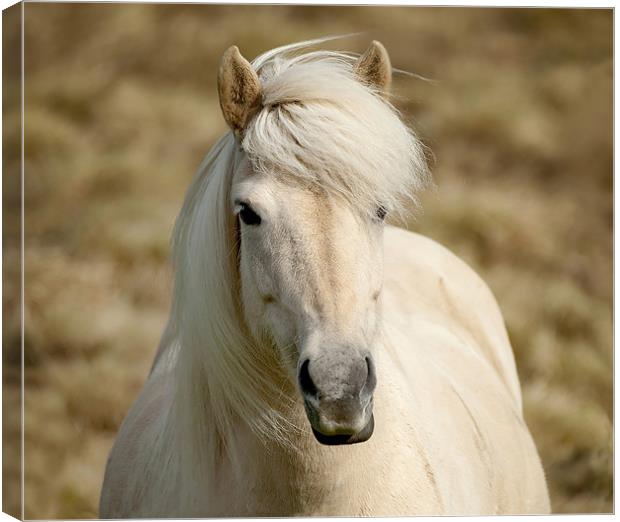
[[373, 67], [239, 89]]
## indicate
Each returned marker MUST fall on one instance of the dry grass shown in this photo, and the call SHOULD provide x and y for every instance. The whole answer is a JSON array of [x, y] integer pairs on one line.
[[121, 108]]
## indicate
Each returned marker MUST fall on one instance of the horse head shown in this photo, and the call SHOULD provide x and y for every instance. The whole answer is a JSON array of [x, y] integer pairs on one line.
[[310, 253]]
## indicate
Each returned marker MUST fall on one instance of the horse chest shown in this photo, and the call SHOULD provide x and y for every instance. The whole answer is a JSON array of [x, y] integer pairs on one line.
[[358, 480], [278, 485]]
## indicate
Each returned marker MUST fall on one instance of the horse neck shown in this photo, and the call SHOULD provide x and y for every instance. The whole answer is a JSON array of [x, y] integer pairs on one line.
[[307, 476], [304, 473], [193, 410]]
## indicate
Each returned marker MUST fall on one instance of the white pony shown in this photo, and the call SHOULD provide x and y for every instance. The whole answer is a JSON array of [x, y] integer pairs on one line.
[[317, 361]]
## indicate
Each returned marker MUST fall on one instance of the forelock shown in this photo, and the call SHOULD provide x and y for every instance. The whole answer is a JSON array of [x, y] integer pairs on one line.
[[319, 125]]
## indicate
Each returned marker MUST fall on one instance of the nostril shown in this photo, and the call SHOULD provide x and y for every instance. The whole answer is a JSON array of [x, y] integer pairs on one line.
[[371, 377], [305, 381]]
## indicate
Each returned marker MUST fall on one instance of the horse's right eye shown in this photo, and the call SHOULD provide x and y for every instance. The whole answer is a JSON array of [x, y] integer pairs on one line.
[[381, 212], [248, 216]]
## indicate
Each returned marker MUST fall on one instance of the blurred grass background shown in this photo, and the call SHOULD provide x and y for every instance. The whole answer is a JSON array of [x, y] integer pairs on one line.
[[120, 109]]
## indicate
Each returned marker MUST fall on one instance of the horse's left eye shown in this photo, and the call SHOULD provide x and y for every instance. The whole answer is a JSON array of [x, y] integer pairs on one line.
[[248, 216], [381, 212]]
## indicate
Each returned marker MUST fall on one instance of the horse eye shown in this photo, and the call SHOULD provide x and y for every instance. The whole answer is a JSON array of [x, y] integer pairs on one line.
[[381, 212], [248, 216]]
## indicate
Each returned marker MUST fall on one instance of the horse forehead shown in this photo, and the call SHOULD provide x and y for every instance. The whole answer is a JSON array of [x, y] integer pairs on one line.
[[306, 214], [277, 190], [329, 251], [331, 230], [328, 226]]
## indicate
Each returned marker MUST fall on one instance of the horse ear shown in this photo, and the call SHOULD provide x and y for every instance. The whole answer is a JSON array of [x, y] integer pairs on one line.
[[239, 90], [373, 67]]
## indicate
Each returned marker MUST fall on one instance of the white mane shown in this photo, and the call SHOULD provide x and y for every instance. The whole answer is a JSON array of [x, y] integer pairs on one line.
[[318, 125]]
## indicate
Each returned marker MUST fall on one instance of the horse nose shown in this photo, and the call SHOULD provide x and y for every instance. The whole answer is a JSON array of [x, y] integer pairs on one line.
[[305, 381], [361, 380], [337, 391]]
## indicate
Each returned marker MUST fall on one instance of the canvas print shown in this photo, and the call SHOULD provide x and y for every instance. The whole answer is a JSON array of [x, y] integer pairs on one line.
[[306, 261]]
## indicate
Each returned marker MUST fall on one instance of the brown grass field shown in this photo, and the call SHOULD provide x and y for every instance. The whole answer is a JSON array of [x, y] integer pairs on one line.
[[120, 108]]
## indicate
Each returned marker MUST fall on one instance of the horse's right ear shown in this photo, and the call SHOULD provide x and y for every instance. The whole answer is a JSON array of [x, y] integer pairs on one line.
[[239, 90]]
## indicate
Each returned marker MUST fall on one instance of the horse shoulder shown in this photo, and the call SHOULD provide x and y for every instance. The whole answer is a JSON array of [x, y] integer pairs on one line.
[[450, 335], [428, 280], [122, 492]]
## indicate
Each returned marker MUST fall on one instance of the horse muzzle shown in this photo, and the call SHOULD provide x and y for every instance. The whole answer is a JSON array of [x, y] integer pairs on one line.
[[338, 398], [332, 434]]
